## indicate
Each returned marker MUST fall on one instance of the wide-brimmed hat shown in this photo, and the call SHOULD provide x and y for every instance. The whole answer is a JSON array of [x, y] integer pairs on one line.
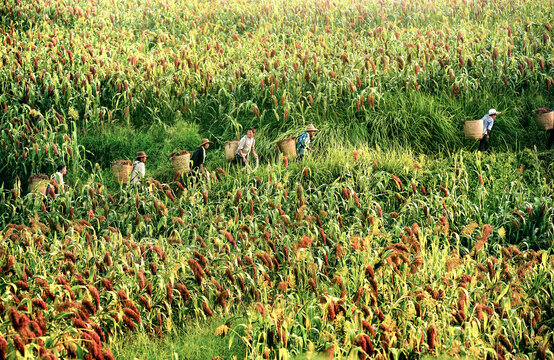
[[493, 112], [311, 127], [206, 141], [141, 154]]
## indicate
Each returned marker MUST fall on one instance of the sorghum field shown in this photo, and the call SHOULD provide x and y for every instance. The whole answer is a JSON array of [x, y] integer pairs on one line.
[[396, 239]]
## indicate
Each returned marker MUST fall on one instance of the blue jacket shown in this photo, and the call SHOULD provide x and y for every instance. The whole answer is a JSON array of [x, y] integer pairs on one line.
[[302, 143]]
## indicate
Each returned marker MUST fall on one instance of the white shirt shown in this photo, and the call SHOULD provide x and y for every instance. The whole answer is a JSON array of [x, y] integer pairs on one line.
[[58, 176], [138, 172], [488, 121], [246, 145]]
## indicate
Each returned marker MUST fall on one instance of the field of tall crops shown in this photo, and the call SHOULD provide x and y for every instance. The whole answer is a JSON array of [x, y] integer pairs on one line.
[[396, 239]]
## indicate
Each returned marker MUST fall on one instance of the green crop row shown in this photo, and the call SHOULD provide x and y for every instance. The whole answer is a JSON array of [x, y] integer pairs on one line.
[[390, 242], [384, 73], [400, 256]]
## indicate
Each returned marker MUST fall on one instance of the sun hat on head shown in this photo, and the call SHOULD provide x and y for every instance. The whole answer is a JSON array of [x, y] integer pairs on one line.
[[141, 154], [206, 141], [493, 112], [311, 127]]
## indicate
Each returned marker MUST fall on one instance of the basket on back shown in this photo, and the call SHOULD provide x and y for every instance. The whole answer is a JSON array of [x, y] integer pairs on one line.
[[231, 149], [38, 183], [288, 147], [180, 159], [544, 118], [473, 129], [121, 170]]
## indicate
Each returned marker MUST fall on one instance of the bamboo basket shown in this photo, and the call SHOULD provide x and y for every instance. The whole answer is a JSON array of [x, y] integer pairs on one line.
[[181, 161], [473, 129], [545, 121], [288, 147], [121, 170], [231, 149], [38, 183]]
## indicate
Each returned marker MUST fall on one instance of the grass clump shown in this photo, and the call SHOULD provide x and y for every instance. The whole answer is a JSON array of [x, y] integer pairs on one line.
[[199, 340]]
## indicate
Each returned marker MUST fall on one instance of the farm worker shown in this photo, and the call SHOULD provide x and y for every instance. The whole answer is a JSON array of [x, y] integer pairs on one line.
[[245, 147], [58, 175], [488, 121], [199, 156], [56, 181], [303, 141], [139, 169]]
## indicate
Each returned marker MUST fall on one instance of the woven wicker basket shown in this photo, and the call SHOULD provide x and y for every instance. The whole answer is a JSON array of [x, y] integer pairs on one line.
[[121, 170], [473, 129], [231, 149], [545, 121], [181, 162], [38, 183], [288, 147]]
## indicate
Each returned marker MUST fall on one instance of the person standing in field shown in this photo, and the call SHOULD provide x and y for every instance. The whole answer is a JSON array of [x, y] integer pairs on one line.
[[245, 147], [199, 157], [488, 122], [58, 175], [56, 181], [139, 169], [303, 141]]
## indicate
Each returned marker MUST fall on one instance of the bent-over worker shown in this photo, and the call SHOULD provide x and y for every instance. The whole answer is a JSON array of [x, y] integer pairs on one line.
[[199, 157], [303, 141], [56, 181], [488, 122], [139, 169]]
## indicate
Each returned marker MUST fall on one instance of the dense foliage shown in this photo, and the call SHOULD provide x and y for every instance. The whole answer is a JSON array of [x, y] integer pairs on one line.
[[384, 72], [397, 256], [359, 251]]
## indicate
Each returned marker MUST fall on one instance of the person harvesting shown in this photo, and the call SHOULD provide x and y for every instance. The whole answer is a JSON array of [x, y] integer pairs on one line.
[[303, 141], [245, 147], [56, 181], [199, 157], [488, 122], [139, 169], [58, 175]]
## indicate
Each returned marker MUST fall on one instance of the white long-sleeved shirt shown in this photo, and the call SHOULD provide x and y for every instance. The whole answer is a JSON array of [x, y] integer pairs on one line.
[[139, 170], [58, 176], [487, 123], [246, 145]]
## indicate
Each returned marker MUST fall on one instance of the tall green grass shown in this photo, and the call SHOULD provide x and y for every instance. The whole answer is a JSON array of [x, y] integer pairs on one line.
[[197, 340], [142, 70]]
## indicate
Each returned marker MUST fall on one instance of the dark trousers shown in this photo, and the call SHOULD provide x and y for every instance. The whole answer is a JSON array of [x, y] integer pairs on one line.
[[194, 175], [484, 144], [550, 139], [238, 160]]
